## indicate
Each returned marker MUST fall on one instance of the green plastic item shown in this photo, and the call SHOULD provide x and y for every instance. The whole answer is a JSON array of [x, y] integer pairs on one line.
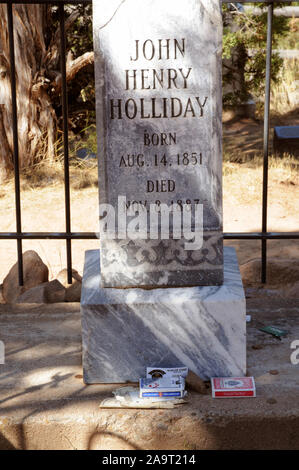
[[274, 331]]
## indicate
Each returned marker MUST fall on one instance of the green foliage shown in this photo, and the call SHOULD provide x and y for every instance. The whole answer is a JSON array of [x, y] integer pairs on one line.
[[81, 90], [80, 35], [244, 52]]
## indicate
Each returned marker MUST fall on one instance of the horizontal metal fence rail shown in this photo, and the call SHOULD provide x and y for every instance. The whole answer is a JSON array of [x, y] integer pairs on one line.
[[68, 235]]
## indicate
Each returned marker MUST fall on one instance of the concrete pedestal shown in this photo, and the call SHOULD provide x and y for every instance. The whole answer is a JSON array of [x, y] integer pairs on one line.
[[125, 330]]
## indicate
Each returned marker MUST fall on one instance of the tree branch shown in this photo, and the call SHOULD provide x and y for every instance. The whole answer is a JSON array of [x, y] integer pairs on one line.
[[72, 68]]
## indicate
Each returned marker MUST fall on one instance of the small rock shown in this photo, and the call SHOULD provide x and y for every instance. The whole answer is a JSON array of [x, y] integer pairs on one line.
[[62, 277], [195, 383], [208, 420], [35, 272], [55, 292], [162, 427], [73, 292], [48, 292], [273, 372], [271, 401]]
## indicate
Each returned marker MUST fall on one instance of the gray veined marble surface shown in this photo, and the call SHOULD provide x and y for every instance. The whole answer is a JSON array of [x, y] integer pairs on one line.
[[125, 330], [158, 98]]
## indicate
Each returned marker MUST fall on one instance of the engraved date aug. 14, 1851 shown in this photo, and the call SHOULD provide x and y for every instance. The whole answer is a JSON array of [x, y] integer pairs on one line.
[[139, 160]]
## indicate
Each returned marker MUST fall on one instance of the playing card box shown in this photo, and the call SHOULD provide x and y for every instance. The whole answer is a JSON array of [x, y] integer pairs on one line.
[[233, 387], [161, 388]]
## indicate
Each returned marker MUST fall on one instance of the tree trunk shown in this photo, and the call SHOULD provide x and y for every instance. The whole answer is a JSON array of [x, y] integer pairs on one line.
[[36, 116], [38, 82]]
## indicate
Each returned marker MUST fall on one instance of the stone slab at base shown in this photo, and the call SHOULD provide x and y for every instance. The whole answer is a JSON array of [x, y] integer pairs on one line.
[[125, 330]]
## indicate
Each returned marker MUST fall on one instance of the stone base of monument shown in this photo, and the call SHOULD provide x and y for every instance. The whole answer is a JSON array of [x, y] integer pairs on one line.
[[125, 330]]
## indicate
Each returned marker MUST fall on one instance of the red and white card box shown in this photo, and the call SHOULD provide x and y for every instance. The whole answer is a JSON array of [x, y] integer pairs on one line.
[[233, 387]]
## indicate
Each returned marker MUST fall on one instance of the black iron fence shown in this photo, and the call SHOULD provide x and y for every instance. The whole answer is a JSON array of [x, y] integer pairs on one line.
[[68, 235]]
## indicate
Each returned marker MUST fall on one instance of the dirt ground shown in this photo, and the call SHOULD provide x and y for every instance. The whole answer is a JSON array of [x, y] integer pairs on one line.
[[242, 189], [43, 207]]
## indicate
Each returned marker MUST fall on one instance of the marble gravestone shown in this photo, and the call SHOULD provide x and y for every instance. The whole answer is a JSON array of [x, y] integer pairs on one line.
[[161, 291], [159, 112]]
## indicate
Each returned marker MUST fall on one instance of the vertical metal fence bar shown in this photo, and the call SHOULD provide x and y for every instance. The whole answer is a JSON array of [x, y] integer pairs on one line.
[[15, 141], [266, 142], [65, 143]]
